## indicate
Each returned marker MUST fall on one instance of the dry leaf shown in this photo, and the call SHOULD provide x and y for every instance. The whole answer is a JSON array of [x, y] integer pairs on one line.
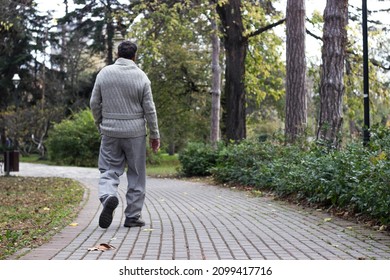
[[257, 193], [74, 224], [102, 247], [382, 228], [327, 219], [105, 247]]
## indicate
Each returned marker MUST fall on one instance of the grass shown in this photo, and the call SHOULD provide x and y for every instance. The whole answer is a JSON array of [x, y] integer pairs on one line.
[[165, 166], [34, 158], [34, 209]]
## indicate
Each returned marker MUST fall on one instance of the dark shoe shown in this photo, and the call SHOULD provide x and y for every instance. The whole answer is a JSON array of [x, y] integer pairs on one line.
[[134, 222], [106, 216]]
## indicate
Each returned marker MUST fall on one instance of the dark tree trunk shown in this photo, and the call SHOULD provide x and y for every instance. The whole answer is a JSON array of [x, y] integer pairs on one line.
[[296, 95], [110, 33], [332, 74], [235, 51]]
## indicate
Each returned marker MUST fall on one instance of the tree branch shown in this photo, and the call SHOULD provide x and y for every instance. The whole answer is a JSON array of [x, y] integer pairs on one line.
[[372, 60], [265, 28], [313, 35], [379, 64]]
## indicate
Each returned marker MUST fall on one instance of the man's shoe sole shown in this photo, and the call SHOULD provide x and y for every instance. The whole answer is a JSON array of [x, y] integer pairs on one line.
[[106, 216], [134, 224]]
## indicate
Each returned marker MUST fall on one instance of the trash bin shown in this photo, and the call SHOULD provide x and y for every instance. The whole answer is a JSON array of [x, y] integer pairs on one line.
[[11, 161]]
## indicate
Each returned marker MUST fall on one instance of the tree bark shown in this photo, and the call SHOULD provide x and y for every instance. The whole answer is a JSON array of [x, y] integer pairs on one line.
[[110, 33], [332, 71], [296, 93], [216, 86], [235, 45]]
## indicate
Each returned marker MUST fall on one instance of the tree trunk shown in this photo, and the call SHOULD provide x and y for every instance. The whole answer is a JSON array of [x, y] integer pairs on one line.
[[296, 96], [332, 71], [235, 51], [110, 33], [216, 86]]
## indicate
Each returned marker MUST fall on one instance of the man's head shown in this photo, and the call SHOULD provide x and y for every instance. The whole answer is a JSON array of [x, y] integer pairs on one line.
[[127, 49]]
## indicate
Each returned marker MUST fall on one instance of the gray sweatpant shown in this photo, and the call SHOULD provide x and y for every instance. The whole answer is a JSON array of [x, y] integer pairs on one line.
[[114, 154]]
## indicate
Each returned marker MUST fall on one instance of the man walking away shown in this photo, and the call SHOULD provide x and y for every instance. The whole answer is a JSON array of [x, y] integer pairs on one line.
[[122, 104]]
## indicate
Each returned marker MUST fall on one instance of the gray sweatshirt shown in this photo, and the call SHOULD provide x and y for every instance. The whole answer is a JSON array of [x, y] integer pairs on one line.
[[122, 101]]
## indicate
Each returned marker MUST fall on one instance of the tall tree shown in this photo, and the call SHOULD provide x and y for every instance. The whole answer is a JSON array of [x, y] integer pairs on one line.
[[216, 85], [236, 45], [20, 36], [178, 67], [235, 41], [332, 71], [100, 21], [296, 94]]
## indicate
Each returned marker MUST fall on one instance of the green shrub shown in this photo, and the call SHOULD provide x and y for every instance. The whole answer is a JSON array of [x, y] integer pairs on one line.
[[240, 163], [75, 141], [355, 178], [197, 159]]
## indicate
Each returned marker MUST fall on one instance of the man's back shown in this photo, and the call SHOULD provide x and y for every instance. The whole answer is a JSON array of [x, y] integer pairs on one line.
[[122, 98], [122, 86]]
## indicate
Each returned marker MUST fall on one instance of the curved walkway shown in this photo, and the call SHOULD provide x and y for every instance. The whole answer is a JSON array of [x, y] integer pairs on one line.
[[195, 221]]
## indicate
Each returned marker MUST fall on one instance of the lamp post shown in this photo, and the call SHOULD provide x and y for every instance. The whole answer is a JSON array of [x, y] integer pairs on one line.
[[11, 157], [366, 128], [16, 81]]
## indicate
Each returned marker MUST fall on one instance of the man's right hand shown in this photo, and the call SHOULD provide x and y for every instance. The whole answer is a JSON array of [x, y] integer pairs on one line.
[[155, 144]]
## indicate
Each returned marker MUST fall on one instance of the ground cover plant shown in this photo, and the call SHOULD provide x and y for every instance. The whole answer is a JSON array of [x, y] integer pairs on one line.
[[353, 180], [34, 209]]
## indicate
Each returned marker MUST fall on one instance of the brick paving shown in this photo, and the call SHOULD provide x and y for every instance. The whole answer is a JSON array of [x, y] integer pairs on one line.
[[196, 221]]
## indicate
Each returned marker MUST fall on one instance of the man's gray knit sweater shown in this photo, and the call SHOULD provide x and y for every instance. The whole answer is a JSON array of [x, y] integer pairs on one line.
[[122, 101]]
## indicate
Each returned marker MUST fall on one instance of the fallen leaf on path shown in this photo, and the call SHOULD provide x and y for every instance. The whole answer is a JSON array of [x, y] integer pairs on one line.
[[102, 247], [257, 193], [74, 224], [327, 219]]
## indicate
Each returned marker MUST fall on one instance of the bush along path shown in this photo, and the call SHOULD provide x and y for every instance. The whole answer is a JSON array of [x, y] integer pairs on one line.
[[353, 182]]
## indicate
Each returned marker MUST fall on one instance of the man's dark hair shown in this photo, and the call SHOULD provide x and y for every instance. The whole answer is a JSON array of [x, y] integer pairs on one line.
[[127, 50]]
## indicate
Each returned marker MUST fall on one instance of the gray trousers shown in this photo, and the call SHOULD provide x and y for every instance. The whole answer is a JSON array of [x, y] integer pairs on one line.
[[114, 154]]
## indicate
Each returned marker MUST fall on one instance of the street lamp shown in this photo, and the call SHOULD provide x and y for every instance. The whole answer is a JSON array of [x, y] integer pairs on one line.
[[11, 158], [16, 80], [366, 128]]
